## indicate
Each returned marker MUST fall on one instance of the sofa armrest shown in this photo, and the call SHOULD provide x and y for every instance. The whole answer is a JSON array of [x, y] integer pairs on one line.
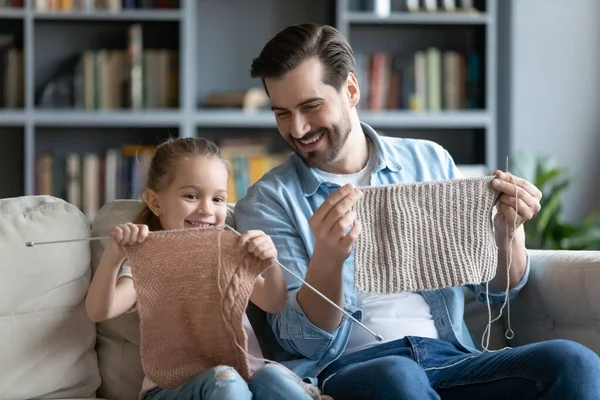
[[561, 300]]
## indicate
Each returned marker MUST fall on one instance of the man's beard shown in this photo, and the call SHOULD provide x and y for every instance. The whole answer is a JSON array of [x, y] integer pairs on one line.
[[337, 135]]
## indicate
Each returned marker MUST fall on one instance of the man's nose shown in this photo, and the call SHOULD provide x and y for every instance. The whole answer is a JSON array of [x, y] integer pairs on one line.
[[300, 126]]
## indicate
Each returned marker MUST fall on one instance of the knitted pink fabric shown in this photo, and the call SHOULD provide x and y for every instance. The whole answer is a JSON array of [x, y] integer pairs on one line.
[[193, 287]]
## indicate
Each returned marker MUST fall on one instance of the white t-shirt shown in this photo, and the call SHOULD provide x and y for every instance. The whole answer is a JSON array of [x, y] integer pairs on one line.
[[254, 350], [393, 316]]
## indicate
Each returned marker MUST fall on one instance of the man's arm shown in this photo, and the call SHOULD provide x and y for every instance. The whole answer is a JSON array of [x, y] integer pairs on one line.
[[308, 324], [333, 244]]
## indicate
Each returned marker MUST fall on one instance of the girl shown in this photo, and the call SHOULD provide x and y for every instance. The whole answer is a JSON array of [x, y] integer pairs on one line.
[[187, 188]]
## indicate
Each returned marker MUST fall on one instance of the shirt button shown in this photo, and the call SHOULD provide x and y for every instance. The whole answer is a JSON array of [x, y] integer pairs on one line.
[[332, 351]]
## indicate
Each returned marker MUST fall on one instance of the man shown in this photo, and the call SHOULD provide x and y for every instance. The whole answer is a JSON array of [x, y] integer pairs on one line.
[[305, 206]]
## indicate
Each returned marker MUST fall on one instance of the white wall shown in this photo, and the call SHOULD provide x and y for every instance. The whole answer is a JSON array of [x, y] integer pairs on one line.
[[554, 94]]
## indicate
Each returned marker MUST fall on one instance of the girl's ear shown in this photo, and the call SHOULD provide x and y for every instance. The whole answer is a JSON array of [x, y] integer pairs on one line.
[[151, 199]]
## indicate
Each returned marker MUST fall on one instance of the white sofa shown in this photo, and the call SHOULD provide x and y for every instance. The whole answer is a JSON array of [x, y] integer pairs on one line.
[[50, 350]]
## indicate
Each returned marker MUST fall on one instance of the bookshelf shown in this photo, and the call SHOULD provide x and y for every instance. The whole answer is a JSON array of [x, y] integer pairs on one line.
[[192, 49]]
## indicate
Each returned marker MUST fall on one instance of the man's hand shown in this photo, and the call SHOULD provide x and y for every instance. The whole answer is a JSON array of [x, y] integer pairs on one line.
[[518, 202], [332, 247], [331, 221]]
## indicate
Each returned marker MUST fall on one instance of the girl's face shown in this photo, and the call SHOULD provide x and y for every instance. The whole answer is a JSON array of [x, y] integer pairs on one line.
[[196, 196]]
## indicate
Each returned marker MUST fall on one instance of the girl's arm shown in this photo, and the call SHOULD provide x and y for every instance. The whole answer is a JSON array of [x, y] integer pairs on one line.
[[270, 291], [106, 297]]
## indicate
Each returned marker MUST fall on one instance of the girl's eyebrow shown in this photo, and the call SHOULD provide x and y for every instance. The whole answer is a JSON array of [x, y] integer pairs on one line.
[[198, 188], [190, 187]]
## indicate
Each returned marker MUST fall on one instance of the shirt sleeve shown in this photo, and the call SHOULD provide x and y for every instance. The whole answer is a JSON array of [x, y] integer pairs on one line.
[[292, 329]]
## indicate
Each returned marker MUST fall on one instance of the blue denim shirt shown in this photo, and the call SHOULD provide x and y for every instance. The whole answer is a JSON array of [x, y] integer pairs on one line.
[[282, 203]]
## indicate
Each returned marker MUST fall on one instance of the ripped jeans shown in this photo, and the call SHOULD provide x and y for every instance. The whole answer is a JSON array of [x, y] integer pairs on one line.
[[269, 383]]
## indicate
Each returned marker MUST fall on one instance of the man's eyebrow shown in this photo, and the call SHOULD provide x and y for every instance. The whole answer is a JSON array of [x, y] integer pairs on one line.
[[302, 103]]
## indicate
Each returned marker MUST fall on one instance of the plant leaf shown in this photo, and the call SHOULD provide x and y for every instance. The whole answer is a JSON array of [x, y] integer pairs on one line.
[[552, 205], [545, 177]]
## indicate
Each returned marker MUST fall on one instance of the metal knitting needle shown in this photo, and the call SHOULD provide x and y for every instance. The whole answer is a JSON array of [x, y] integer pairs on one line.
[[377, 336], [31, 244]]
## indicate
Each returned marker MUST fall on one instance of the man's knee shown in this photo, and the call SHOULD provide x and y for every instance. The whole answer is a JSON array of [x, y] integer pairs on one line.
[[572, 362], [396, 369]]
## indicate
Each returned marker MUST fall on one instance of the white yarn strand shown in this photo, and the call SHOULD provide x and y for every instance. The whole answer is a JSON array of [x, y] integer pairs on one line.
[[509, 333]]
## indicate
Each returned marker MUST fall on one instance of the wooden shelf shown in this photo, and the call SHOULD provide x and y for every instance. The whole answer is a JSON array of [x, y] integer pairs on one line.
[[421, 18], [425, 119], [12, 118], [109, 118], [383, 119], [11, 13], [123, 15], [234, 119]]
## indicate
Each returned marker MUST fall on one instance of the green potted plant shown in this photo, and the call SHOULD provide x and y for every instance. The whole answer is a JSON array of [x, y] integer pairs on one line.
[[548, 230]]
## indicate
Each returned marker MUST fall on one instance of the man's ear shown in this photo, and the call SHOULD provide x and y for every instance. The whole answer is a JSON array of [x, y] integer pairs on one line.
[[352, 89], [151, 199]]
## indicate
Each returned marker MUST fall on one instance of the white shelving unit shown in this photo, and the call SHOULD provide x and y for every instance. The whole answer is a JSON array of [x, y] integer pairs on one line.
[[216, 43]]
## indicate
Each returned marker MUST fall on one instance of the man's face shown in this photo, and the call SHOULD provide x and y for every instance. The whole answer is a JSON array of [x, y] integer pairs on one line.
[[311, 116]]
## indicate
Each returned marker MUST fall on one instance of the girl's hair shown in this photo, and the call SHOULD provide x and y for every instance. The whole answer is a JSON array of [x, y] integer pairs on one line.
[[166, 158]]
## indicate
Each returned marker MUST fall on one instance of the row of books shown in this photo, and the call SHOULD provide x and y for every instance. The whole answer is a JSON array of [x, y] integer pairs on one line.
[[90, 180], [428, 80], [385, 7], [249, 159], [12, 87], [11, 3], [108, 5], [133, 78]]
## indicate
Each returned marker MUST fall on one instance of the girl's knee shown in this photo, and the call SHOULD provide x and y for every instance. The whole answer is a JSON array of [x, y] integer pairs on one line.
[[273, 372], [277, 382], [224, 375], [225, 383]]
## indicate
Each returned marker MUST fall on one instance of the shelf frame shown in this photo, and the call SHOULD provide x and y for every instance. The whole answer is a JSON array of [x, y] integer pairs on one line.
[[420, 18]]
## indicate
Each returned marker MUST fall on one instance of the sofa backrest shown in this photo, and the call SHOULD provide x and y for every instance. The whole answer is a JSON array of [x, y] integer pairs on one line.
[[46, 339], [118, 339]]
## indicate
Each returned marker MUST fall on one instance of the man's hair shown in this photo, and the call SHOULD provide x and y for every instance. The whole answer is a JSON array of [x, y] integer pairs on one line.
[[296, 43]]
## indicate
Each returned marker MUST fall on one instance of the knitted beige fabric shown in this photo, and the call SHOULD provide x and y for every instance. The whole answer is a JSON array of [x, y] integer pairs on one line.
[[193, 287], [425, 235]]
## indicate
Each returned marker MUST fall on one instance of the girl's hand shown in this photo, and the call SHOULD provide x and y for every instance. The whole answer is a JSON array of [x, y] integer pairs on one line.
[[259, 244], [124, 235]]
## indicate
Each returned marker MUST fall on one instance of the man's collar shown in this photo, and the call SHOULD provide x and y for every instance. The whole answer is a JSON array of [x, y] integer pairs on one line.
[[310, 181]]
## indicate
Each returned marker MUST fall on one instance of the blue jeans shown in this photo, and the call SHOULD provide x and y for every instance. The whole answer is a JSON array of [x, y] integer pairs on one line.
[[555, 369], [271, 382]]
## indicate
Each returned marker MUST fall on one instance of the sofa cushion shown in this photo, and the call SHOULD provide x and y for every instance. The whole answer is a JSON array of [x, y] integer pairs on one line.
[[561, 299], [46, 339], [119, 339]]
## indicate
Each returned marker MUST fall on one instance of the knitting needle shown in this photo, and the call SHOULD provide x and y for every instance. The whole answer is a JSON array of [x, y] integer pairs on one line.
[[31, 244], [377, 336]]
